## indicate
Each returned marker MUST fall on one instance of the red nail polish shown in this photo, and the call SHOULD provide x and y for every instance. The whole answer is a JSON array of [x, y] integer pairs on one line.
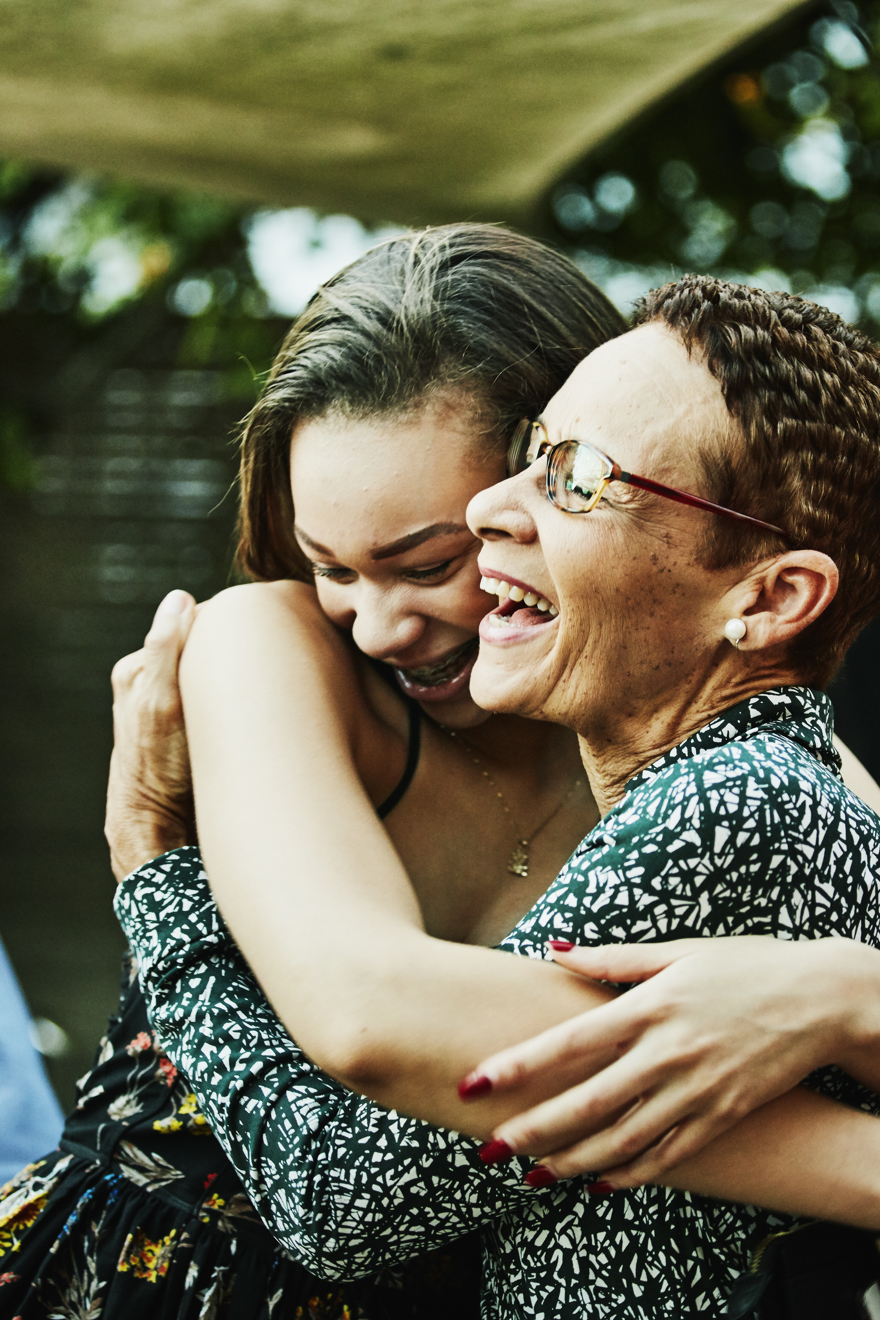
[[473, 1086], [600, 1188], [561, 946], [540, 1177], [493, 1152]]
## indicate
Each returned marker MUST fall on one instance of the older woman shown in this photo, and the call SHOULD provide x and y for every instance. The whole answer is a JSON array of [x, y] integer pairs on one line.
[[726, 562]]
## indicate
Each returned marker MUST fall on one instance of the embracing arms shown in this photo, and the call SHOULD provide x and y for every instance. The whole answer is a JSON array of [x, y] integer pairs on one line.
[[335, 935]]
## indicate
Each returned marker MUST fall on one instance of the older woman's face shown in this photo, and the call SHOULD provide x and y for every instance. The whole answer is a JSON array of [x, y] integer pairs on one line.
[[638, 615]]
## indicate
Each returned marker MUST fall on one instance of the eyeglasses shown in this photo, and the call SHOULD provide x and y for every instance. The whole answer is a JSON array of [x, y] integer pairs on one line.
[[578, 474]]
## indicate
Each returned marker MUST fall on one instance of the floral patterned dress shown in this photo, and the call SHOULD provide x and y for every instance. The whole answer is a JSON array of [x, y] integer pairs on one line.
[[139, 1214]]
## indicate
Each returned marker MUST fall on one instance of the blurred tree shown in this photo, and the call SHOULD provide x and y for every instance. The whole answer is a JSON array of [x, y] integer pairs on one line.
[[92, 270], [766, 170]]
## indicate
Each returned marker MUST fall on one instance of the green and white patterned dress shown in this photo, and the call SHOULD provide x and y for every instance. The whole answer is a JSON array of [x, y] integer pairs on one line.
[[744, 828]]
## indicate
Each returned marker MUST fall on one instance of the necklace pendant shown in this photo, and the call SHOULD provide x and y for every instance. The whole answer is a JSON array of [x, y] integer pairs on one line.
[[519, 860]]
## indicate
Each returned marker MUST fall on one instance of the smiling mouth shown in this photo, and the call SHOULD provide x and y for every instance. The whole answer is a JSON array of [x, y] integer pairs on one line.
[[441, 671], [519, 607]]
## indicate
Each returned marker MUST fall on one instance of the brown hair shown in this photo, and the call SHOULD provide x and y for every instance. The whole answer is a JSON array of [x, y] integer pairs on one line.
[[804, 388], [471, 307]]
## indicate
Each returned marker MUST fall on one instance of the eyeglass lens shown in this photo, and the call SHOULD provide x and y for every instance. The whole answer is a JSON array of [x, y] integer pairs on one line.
[[575, 475]]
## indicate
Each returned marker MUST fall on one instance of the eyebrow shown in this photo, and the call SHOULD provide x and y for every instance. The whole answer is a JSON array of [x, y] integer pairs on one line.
[[398, 547]]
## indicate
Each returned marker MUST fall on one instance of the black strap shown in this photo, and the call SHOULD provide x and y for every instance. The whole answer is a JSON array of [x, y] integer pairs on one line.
[[412, 761]]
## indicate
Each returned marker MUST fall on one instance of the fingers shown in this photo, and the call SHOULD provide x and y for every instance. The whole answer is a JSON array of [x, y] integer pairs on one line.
[[626, 962], [590, 1108], [125, 671], [170, 629], [637, 1141], [670, 1151]]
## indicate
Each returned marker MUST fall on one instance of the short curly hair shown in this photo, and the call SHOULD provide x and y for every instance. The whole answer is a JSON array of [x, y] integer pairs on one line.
[[804, 388]]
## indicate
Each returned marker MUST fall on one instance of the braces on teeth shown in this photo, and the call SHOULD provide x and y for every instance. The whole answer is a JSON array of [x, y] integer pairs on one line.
[[498, 587]]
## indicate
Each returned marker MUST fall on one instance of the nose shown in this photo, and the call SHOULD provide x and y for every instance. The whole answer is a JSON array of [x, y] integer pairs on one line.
[[383, 626], [501, 512]]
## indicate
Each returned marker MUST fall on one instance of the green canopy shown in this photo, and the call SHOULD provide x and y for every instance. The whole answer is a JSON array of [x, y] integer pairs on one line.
[[406, 110]]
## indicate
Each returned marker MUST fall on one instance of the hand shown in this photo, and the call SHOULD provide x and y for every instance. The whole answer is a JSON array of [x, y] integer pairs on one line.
[[149, 794], [715, 1029]]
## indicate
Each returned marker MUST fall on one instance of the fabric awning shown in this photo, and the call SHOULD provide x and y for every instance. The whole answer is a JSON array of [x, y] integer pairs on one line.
[[401, 110]]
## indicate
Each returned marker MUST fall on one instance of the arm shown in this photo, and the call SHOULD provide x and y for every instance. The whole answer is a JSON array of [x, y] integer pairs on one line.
[[727, 1028], [347, 1186], [292, 844], [714, 1029]]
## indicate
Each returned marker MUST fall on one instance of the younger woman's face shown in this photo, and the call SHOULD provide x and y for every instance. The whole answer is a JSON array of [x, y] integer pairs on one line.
[[380, 513]]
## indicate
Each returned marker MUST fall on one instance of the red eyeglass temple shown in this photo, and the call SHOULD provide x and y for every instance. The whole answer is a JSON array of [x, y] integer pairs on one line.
[[682, 497]]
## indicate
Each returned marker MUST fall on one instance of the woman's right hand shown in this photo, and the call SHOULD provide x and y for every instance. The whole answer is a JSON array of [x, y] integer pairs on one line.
[[715, 1029], [149, 793]]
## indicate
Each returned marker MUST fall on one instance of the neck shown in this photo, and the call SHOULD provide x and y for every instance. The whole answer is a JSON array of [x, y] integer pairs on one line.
[[614, 751], [538, 751]]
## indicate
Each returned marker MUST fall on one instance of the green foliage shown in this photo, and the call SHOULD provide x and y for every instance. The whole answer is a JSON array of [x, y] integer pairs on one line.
[[768, 171]]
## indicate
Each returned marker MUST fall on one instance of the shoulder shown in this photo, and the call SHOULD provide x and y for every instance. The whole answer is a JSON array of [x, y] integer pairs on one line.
[[274, 622], [741, 776], [261, 603], [274, 639]]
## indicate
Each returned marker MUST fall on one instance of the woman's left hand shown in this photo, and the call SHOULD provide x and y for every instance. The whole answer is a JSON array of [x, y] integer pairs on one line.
[[717, 1028]]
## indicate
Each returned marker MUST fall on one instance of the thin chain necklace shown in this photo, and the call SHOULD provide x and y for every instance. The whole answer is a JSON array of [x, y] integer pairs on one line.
[[518, 862]]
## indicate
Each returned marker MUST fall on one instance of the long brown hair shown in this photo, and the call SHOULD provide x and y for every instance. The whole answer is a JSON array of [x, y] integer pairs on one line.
[[471, 307]]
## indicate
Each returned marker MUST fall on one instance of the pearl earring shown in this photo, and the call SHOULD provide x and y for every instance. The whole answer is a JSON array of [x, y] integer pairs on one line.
[[735, 631]]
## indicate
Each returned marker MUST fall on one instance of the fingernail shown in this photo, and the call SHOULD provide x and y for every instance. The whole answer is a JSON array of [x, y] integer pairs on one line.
[[561, 946], [174, 603], [600, 1188], [474, 1085], [540, 1177], [493, 1152]]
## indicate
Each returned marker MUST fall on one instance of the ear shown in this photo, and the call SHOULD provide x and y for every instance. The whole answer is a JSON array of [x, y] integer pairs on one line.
[[780, 599]]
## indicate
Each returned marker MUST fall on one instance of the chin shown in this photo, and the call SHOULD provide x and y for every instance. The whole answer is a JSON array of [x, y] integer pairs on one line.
[[495, 689]]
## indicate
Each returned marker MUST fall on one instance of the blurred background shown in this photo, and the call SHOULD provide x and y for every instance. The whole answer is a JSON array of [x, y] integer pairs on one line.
[[136, 324]]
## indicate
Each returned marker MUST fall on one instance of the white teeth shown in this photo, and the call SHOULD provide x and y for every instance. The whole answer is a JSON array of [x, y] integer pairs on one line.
[[499, 621], [530, 599], [554, 611], [516, 593], [493, 586], [543, 605], [503, 590]]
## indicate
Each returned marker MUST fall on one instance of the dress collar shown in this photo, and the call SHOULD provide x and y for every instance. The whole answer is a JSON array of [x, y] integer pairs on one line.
[[797, 713]]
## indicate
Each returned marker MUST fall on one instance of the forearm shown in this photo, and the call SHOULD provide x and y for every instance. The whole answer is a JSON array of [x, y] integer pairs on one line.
[[278, 1116], [346, 1186], [313, 891], [803, 1154]]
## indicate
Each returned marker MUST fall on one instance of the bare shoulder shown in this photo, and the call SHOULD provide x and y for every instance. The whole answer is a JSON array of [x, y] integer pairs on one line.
[[251, 614], [271, 633], [274, 638]]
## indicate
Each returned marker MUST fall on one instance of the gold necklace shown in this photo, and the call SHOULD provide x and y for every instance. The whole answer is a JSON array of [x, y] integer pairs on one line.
[[518, 862]]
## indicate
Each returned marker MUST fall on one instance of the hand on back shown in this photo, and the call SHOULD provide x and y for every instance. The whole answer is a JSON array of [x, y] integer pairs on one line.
[[149, 793]]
